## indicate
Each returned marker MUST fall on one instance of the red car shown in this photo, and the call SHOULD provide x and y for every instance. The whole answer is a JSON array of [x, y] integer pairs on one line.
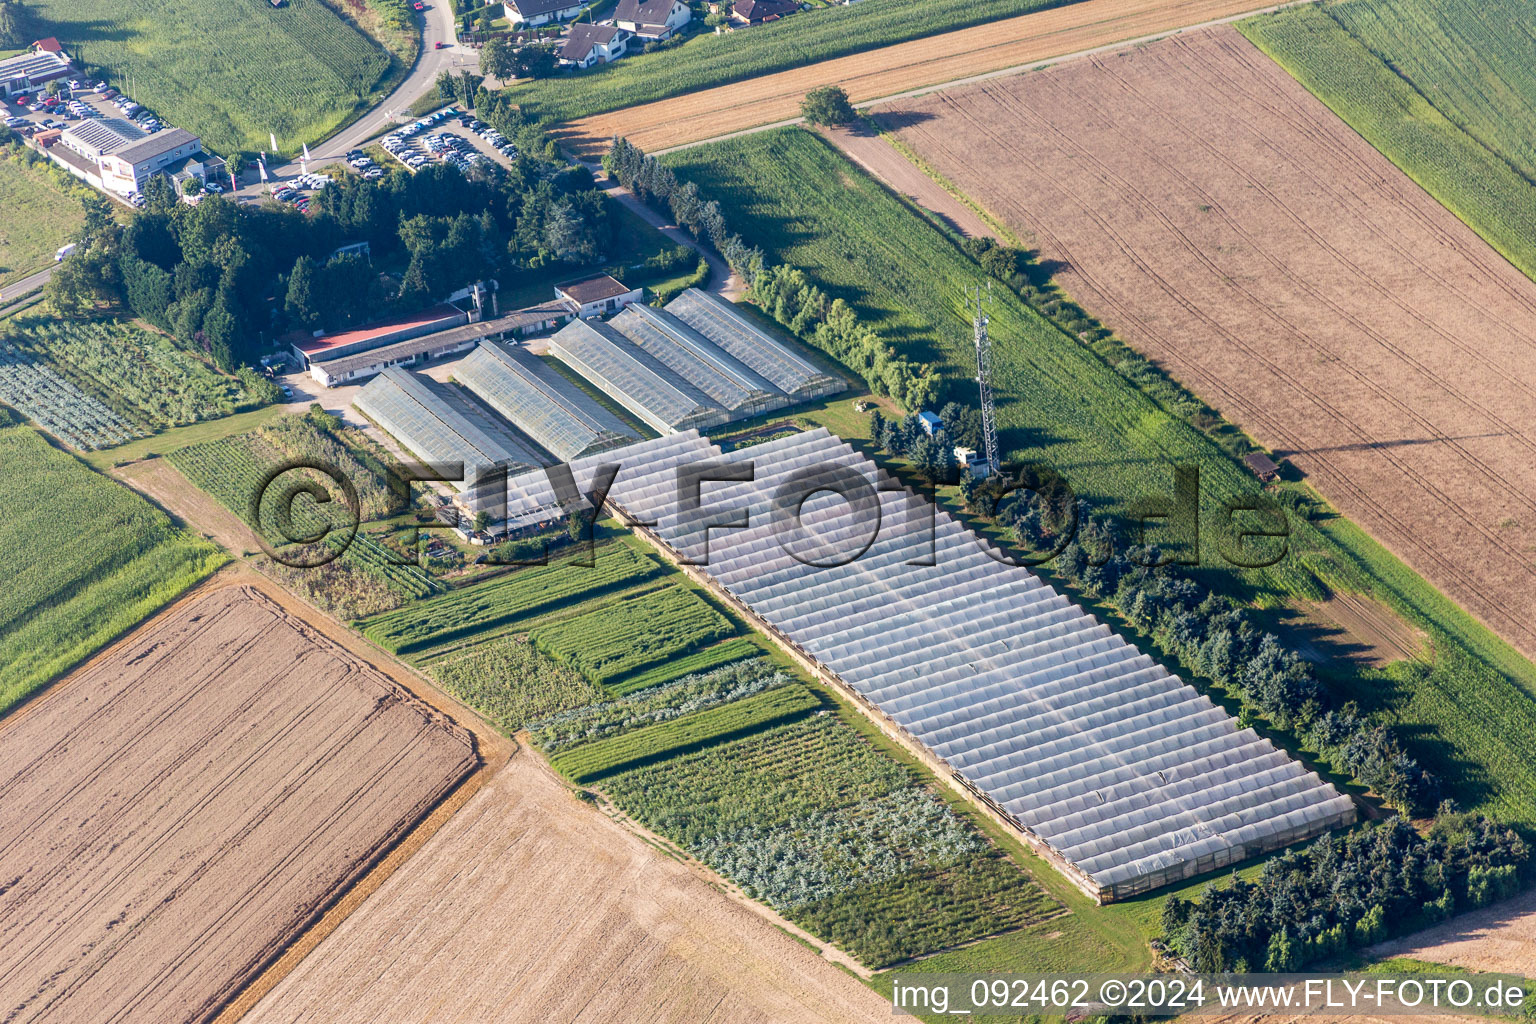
[[439, 46], [419, 5]]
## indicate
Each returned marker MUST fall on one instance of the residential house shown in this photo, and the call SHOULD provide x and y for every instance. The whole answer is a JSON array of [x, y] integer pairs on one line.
[[587, 45], [652, 20], [533, 13], [126, 170], [755, 12]]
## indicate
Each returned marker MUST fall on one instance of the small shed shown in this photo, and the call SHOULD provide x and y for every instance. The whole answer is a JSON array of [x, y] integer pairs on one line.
[[930, 422], [1262, 466]]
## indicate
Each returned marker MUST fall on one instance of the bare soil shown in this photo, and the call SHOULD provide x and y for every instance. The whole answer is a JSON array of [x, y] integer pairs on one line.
[[889, 70], [530, 905], [1227, 225], [1499, 939], [164, 484], [183, 806], [1351, 628]]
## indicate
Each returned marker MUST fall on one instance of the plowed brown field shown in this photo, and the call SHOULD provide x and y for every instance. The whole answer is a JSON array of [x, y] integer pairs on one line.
[[176, 812], [947, 57], [1228, 225], [531, 906], [1500, 938]]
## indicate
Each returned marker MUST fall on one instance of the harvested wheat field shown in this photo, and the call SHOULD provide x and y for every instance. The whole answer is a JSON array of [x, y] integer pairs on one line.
[[1499, 939], [886, 71], [184, 805], [1225, 223], [532, 906]]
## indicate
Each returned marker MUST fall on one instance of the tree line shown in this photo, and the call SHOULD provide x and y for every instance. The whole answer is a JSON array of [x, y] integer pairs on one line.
[[792, 297]]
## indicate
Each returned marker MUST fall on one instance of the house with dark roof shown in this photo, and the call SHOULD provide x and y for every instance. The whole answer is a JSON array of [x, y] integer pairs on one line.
[[540, 12], [587, 44], [755, 12], [651, 19], [597, 296]]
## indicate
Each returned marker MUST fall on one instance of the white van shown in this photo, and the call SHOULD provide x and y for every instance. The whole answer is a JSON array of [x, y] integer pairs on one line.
[[58, 257]]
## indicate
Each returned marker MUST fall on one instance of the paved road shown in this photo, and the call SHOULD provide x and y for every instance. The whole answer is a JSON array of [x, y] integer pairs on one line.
[[26, 284]]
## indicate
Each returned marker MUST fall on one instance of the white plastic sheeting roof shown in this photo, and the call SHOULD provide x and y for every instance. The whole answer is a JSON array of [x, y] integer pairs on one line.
[[1125, 771]]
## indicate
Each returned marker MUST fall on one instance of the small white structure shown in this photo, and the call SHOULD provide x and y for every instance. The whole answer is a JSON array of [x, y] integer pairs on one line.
[[597, 296], [587, 45], [652, 19]]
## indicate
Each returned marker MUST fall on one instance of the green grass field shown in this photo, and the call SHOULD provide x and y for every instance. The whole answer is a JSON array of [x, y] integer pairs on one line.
[[84, 559], [229, 72], [1059, 404], [623, 636], [1445, 90], [708, 60], [36, 217]]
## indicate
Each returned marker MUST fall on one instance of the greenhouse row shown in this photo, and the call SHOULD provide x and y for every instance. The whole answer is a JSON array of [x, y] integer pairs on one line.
[[722, 323], [1121, 774]]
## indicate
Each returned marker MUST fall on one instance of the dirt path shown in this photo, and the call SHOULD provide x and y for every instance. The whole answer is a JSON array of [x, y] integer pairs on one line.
[[951, 57], [533, 906], [1226, 224], [723, 281], [163, 484], [886, 163]]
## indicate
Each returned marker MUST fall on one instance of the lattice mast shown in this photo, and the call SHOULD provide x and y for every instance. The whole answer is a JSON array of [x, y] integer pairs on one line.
[[984, 382]]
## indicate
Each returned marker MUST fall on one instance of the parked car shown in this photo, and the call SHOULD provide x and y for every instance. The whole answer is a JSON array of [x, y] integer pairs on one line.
[[373, 174]]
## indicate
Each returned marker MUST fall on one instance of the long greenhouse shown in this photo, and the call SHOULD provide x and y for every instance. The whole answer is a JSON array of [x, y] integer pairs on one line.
[[656, 395], [1122, 775], [439, 424], [537, 400], [722, 323], [699, 361]]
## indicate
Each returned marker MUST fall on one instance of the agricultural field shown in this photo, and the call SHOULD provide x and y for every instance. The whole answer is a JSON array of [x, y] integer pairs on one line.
[[673, 668], [1309, 291], [1497, 939], [1061, 404], [144, 377], [368, 578], [39, 392], [229, 72], [586, 922], [637, 95], [38, 218], [632, 634], [1444, 90], [111, 560], [495, 605], [142, 884], [510, 683]]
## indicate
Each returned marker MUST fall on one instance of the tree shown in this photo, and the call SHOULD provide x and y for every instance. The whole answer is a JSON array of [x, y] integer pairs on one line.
[[828, 105], [497, 59], [303, 299], [16, 26], [537, 61]]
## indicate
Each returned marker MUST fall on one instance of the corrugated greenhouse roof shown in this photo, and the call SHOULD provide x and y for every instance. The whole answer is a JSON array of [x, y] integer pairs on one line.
[[695, 358], [1124, 774], [439, 423], [720, 322], [540, 402], [634, 379]]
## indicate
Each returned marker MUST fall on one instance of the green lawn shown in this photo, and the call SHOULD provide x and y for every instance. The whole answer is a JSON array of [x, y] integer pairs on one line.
[[36, 217], [231, 72], [1445, 90], [707, 60], [1061, 405], [84, 559]]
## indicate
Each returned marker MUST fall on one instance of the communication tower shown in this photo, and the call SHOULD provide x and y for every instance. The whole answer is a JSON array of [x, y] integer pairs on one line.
[[984, 382]]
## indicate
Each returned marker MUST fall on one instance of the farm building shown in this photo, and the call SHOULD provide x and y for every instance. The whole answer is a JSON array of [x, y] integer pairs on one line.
[[439, 424], [537, 400], [394, 347], [29, 72], [721, 322], [1261, 466], [596, 296], [587, 45], [651, 19], [699, 361], [1120, 774], [657, 396], [532, 13]]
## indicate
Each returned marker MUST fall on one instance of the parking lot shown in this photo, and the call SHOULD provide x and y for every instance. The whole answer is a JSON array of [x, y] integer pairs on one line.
[[448, 136]]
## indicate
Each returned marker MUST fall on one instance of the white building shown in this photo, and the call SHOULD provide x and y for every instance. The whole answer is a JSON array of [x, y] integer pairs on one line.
[[597, 296], [126, 170], [652, 19], [29, 72], [532, 13], [587, 45]]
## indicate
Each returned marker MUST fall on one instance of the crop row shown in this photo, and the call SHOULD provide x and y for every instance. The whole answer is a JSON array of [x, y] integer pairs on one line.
[[618, 638], [58, 406], [594, 760], [509, 682], [676, 668], [640, 708], [526, 592]]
